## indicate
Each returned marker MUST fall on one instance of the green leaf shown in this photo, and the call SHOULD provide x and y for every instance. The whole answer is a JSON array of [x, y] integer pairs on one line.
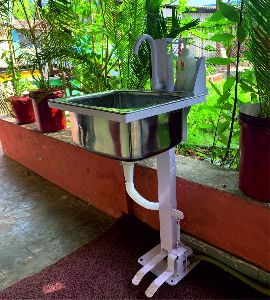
[[246, 87], [236, 134], [176, 31], [223, 98], [229, 12], [217, 16], [229, 83], [4, 54], [219, 60], [223, 126], [226, 106], [215, 88], [254, 96], [227, 115], [222, 37], [201, 154], [222, 139], [211, 108], [210, 48], [247, 55], [241, 33]]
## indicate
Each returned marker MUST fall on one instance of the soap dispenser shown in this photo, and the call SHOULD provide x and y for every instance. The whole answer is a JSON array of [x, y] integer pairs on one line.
[[186, 71]]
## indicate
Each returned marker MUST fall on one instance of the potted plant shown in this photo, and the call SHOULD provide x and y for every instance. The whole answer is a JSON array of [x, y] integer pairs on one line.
[[254, 118], [253, 45], [22, 107], [38, 51], [17, 92], [48, 119], [15, 100]]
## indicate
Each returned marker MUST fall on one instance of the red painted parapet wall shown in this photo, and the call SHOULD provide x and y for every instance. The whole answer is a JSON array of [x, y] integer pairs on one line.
[[222, 219], [95, 179]]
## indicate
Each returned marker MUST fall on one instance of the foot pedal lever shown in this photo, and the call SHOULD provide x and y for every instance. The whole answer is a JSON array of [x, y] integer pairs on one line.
[[163, 277], [148, 267]]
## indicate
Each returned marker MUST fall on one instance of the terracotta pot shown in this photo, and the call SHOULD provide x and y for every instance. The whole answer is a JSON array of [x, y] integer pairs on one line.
[[254, 173], [48, 119], [23, 109]]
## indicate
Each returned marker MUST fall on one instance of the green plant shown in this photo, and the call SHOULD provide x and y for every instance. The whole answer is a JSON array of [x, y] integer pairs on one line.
[[171, 27], [223, 28], [243, 31], [5, 108], [103, 34], [14, 76], [41, 44], [13, 83], [100, 40], [256, 23], [251, 23], [86, 48], [124, 23]]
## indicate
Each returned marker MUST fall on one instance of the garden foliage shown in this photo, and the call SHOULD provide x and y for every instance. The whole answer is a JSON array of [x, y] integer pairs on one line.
[[91, 42]]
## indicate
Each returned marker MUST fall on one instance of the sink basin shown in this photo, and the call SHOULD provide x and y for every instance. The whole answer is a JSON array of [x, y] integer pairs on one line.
[[127, 125]]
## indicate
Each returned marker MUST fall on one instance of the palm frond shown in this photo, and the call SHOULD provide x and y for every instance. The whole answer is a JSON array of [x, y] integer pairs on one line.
[[258, 15], [5, 108], [156, 24], [124, 23], [160, 27]]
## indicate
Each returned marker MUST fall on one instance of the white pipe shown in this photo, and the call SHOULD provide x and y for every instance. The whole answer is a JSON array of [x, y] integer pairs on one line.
[[156, 85], [128, 173]]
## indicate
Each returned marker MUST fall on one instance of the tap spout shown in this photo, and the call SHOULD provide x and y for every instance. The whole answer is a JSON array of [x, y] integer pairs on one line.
[[156, 85]]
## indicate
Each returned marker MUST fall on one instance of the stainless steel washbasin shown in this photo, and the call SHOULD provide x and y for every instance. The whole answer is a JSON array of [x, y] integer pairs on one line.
[[127, 125]]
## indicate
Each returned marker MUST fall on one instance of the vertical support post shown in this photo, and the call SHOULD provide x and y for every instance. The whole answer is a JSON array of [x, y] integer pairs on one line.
[[161, 45], [167, 198]]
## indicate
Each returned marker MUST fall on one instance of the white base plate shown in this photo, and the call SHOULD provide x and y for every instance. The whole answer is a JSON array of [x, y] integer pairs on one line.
[[162, 266]]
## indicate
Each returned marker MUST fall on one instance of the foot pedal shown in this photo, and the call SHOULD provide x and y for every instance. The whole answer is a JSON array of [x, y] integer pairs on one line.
[[148, 267], [157, 283], [163, 277]]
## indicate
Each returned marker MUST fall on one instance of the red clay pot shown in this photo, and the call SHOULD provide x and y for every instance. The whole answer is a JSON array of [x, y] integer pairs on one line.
[[23, 109], [254, 173], [48, 119]]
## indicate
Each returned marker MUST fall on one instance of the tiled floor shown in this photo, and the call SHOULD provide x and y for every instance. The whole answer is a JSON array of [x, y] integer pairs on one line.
[[39, 222]]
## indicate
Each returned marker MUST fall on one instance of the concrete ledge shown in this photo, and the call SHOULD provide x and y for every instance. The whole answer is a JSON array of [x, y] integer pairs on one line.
[[206, 174], [215, 210]]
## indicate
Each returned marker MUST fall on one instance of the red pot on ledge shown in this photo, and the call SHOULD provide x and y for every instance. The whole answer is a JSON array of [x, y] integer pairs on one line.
[[48, 119], [23, 109], [254, 172]]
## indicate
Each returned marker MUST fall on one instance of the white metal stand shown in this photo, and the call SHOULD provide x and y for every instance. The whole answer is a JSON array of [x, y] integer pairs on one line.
[[168, 260]]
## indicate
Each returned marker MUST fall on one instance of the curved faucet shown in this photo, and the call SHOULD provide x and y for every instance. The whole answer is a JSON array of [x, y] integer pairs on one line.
[[156, 85]]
